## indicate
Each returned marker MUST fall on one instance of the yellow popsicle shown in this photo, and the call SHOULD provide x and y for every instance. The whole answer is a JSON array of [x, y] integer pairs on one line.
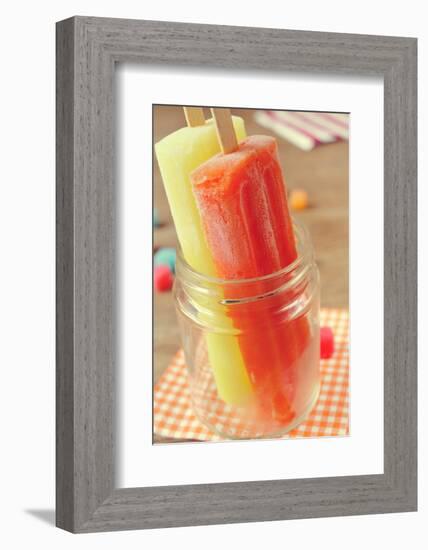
[[178, 155]]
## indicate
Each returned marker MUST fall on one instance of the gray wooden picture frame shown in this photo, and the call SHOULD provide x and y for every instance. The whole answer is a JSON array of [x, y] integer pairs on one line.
[[87, 51]]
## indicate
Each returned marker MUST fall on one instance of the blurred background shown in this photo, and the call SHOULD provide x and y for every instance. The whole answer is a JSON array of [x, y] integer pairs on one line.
[[313, 151]]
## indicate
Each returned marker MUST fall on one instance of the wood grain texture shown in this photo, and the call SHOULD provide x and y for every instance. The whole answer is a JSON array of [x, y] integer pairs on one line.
[[85, 248], [194, 116], [225, 130], [64, 277], [87, 49]]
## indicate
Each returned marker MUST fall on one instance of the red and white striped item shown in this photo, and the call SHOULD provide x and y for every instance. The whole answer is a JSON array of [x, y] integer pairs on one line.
[[306, 130]]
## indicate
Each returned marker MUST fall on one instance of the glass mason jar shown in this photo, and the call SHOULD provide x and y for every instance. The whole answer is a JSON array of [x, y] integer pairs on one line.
[[252, 346]]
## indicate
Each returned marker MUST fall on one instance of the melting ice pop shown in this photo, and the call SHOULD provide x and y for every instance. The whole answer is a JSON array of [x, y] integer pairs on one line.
[[243, 205], [178, 154]]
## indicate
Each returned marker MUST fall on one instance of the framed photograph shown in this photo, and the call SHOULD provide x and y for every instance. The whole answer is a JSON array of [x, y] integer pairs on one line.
[[236, 274], [249, 368]]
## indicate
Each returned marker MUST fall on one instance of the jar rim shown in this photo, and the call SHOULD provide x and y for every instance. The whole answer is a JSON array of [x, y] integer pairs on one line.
[[304, 256]]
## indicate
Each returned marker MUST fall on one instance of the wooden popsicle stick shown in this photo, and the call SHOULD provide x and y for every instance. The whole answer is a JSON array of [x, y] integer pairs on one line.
[[225, 130], [194, 116]]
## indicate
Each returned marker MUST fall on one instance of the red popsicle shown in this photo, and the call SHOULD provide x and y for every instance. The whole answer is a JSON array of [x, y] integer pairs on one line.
[[242, 199]]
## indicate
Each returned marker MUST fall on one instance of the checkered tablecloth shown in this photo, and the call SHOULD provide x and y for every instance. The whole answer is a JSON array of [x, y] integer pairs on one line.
[[174, 417]]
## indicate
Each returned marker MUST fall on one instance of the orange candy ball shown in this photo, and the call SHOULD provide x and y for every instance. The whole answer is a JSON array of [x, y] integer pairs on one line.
[[298, 199]]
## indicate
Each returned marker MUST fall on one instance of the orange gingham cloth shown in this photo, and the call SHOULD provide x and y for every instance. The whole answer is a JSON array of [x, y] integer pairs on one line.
[[174, 417]]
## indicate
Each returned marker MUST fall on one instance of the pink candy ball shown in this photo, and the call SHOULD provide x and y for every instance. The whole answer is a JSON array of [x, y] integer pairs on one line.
[[326, 342], [163, 278]]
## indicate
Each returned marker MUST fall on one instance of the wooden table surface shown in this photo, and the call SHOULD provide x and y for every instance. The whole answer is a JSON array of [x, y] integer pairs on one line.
[[323, 173]]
